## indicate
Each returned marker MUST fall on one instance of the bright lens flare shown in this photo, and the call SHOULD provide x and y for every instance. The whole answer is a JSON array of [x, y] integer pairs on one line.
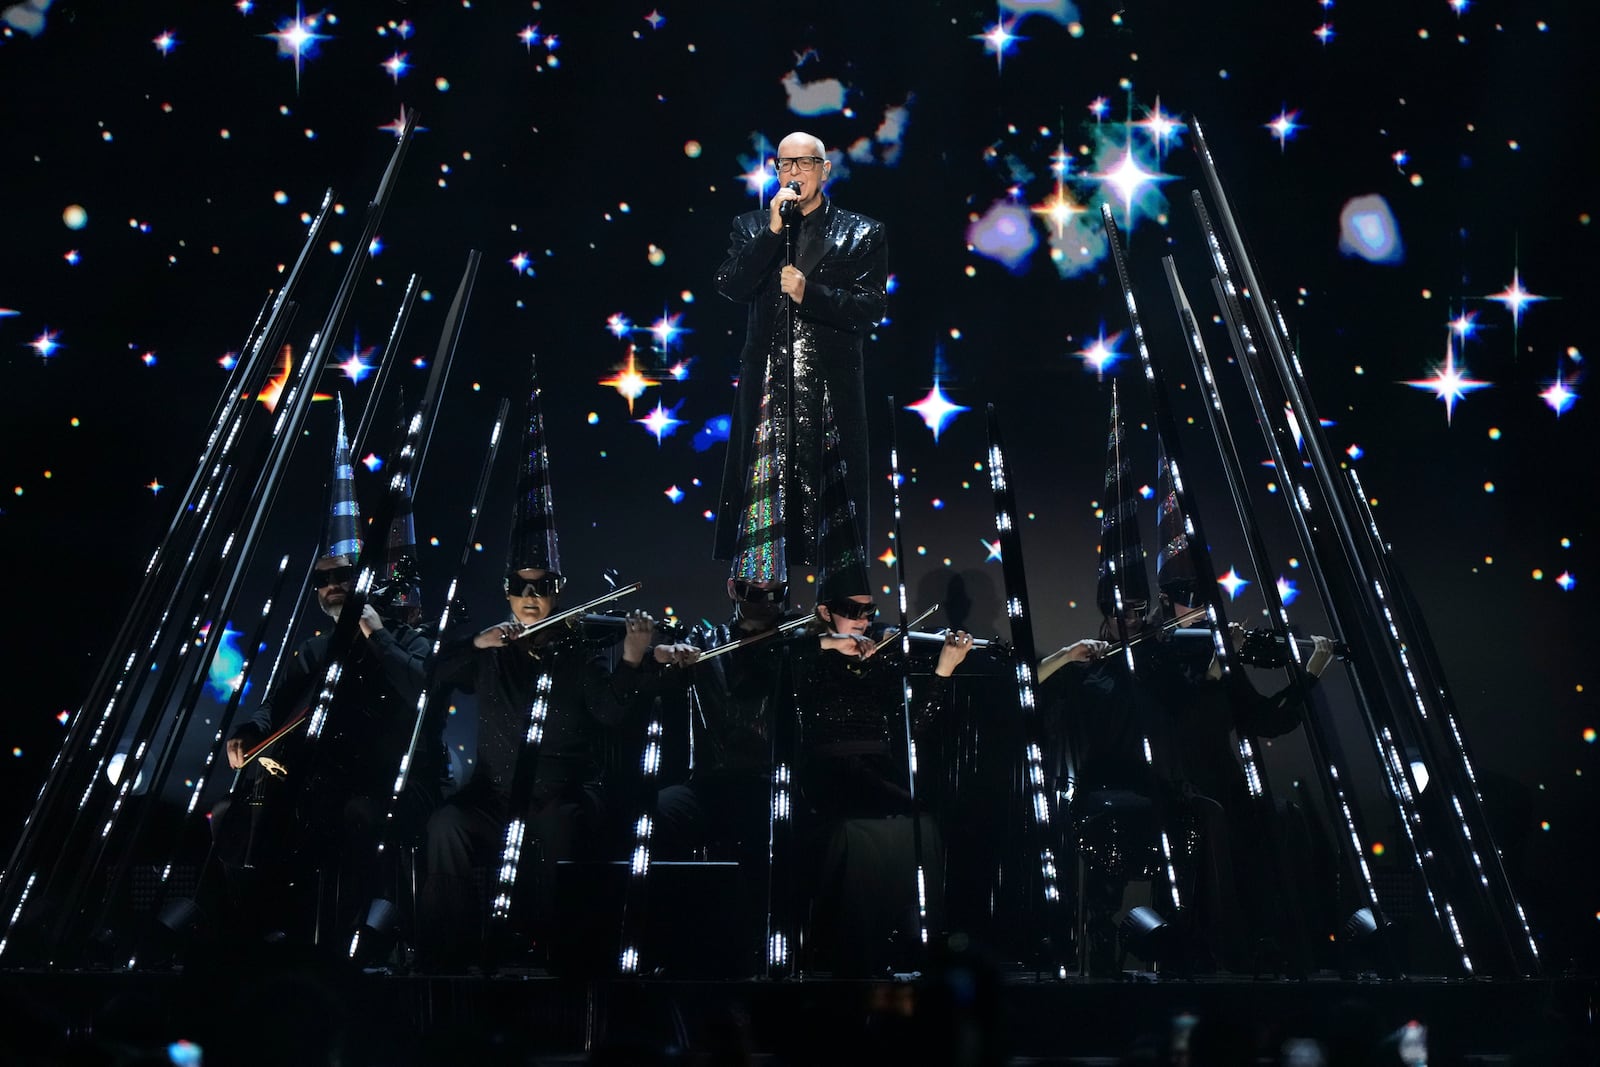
[[936, 410], [1449, 382]]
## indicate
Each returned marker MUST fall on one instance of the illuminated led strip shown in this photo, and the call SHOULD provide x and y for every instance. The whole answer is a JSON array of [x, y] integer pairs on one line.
[[1335, 778], [1454, 730], [511, 850], [905, 688], [17, 912], [1016, 611], [780, 814], [218, 459], [424, 698], [639, 860]]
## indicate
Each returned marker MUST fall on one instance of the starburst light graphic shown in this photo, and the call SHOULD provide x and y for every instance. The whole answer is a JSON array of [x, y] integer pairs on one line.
[[1515, 298], [1449, 382], [297, 39], [628, 381], [1233, 582], [1284, 127], [662, 421], [1559, 396], [936, 410], [1101, 353], [45, 344], [998, 40]]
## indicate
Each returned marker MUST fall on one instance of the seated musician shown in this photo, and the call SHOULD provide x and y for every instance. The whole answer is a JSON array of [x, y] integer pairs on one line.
[[525, 675], [1152, 752], [725, 801], [326, 813], [853, 768]]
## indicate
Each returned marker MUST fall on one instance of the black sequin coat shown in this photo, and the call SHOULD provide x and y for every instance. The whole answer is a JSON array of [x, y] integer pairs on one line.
[[845, 259]]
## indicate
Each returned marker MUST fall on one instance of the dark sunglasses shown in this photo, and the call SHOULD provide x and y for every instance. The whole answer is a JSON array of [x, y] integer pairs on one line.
[[850, 609], [751, 593], [332, 576], [548, 586]]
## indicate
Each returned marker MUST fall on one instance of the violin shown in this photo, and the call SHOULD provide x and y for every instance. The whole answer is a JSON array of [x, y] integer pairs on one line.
[[669, 627], [1260, 648], [1270, 648], [582, 610], [977, 642]]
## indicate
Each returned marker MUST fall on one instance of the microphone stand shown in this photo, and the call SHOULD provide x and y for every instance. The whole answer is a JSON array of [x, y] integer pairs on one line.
[[787, 463]]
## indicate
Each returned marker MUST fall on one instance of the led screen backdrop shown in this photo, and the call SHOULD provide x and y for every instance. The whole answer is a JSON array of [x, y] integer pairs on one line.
[[1411, 179]]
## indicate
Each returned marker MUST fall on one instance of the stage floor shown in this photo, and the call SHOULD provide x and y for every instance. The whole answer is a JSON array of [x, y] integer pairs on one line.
[[307, 1012]]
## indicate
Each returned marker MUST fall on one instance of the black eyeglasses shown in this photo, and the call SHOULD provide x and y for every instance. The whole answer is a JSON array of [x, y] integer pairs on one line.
[[850, 609], [803, 164], [548, 586], [332, 576], [751, 593]]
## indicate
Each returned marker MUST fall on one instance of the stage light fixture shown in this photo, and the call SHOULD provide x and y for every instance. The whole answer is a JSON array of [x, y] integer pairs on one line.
[[377, 934], [175, 928], [1147, 935], [1364, 944], [1361, 925]]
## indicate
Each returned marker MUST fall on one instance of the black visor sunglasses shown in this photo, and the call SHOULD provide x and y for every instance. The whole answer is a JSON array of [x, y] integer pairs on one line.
[[332, 576], [548, 586], [850, 609], [751, 593]]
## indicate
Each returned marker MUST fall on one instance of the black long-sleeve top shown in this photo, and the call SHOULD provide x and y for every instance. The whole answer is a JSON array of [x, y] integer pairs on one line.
[[585, 697], [852, 728], [1103, 714], [374, 709], [845, 259], [735, 694]]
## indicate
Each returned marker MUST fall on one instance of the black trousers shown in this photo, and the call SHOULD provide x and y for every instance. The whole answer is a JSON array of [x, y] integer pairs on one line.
[[469, 829]]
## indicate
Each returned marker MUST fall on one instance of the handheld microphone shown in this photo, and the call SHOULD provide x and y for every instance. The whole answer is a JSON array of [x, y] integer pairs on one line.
[[789, 208]]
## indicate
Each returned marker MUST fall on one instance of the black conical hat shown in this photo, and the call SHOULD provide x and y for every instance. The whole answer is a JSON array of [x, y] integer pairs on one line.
[[759, 550], [842, 564], [533, 519], [1121, 550], [1175, 573], [344, 515]]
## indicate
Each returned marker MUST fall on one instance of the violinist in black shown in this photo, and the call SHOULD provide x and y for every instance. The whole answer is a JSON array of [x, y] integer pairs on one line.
[[725, 800], [565, 799], [330, 807], [853, 775], [1190, 712]]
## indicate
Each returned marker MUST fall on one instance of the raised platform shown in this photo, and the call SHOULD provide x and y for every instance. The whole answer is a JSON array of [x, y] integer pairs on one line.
[[305, 1012]]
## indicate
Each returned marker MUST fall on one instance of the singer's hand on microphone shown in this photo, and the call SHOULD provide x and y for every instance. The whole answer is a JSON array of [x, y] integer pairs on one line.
[[794, 283], [787, 194]]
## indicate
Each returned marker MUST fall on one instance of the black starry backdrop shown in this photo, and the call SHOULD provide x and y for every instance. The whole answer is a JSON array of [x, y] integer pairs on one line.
[[1410, 178]]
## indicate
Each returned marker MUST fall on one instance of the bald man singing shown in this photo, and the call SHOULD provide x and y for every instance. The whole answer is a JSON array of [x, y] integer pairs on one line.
[[828, 267]]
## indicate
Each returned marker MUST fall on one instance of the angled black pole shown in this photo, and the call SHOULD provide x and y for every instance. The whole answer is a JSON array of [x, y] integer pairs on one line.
[[1479, 897], [125, 664], [451, 606], [1166, 839], [360, 441], [1326, 747], [257, 637], [1465, 799], [1199, 543], [1321, 559], [239, 548], [1023, 660], [405, 468], [910, 741], [502, 905], [444, 355]]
